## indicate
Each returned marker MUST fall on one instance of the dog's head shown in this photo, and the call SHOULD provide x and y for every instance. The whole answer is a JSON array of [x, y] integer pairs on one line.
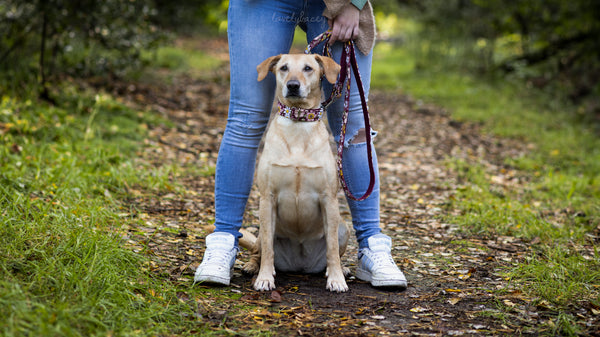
[[299, 77]]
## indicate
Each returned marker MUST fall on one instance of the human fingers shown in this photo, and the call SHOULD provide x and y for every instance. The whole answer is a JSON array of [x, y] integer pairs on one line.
[[335, 33]]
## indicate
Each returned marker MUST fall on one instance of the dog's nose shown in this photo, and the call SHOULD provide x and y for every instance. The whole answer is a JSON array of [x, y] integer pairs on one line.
[[293, 87]]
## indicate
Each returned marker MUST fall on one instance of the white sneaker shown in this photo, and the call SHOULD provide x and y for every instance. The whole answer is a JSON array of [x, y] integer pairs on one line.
[[376, 265], [218, 259]]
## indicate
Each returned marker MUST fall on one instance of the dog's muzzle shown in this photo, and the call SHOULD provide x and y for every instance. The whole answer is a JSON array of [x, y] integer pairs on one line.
[[293, 88]]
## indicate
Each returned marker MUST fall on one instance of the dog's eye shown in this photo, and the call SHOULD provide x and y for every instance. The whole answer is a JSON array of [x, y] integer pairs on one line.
[[308, 68], [284, 68]]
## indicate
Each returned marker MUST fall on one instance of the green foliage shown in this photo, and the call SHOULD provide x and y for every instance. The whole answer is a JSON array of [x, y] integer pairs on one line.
[[543, 41], [182, 60], [66, 268], [189, 15], [77, 38]]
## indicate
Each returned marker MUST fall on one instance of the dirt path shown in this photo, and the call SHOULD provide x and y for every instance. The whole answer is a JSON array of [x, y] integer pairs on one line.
[[457, 284]]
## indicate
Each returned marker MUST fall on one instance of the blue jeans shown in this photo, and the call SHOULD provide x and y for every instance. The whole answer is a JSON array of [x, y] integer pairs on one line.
[[258, 29]]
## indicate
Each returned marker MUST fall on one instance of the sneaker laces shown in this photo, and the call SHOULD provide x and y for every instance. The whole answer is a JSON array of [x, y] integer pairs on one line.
[[220, 257], [382, 259]]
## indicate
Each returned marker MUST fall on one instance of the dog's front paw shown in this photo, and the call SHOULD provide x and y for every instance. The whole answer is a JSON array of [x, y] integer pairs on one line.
[[264, 283], [337, 285], [335, 280]]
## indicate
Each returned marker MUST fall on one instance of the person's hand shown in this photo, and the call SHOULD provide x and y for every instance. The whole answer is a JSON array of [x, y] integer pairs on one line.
[[344, 27]]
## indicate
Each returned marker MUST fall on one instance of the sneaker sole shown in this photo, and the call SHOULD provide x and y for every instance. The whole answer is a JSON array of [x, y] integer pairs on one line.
[[212, 279], [366, 276]]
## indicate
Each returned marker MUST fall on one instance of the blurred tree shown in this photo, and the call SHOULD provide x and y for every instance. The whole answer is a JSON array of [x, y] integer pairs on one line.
[[547, 40], [188, 15], [74, 37]]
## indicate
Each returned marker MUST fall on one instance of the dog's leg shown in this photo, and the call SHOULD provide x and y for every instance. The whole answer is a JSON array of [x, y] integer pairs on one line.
[[331, 220], [267, 213]]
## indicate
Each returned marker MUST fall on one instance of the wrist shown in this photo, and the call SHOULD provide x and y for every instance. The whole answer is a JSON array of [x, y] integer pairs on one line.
[[359, 4]]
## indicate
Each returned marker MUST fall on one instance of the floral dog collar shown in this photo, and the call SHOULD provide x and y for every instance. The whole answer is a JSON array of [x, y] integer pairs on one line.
[[299, 114]]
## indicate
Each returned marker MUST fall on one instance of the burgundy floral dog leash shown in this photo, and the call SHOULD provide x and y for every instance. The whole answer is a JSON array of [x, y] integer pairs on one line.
[[348, 60]]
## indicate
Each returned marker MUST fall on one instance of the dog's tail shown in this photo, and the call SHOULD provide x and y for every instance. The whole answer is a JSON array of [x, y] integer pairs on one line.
[[248, 240]]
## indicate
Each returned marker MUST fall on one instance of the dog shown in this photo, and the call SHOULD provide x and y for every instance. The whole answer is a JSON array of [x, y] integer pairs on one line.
[[301, 229]]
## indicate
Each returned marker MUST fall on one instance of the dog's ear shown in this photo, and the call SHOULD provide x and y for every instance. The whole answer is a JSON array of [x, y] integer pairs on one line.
[[330, 68], [267, 65]]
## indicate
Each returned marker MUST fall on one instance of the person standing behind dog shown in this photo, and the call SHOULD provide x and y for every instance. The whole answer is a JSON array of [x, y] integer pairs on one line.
[[260, 29]]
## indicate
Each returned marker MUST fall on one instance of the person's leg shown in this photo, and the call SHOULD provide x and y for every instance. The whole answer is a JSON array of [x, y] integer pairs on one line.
[[365, 213], [256, 30], [376, 264]]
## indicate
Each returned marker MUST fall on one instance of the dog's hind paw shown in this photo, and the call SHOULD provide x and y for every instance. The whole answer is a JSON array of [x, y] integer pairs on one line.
[[251, 267], [339, 286]]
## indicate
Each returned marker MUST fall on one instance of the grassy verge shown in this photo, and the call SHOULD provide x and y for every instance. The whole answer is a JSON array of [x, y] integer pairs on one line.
[[69, 265], [189, 56], [556, 206], [65, 266]]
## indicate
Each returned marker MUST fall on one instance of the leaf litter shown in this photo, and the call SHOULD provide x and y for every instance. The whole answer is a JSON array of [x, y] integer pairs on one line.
[[457, 283]]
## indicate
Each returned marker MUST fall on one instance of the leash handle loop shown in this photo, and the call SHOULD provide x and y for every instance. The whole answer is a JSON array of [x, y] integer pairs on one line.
[[348, 63]]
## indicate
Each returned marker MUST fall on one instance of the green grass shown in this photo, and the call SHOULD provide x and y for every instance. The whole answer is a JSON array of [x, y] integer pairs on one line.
[[66, 171], [558, 203], [177, 60], [65, 268]]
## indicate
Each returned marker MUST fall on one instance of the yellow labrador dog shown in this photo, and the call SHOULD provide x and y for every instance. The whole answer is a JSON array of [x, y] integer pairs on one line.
[[301, 229]]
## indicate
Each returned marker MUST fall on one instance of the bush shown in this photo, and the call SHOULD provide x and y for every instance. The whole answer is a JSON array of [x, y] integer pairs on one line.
[[73, 37], [548, 42]]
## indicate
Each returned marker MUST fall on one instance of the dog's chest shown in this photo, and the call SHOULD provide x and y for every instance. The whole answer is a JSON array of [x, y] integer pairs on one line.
[[299, 145], [297, 169], [298, 192]]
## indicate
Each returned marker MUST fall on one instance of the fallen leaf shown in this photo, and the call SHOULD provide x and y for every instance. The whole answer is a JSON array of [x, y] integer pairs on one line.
[[360, 311], [275, 296], [250, 297], [16, 148], [454, 300], [464, 276]]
